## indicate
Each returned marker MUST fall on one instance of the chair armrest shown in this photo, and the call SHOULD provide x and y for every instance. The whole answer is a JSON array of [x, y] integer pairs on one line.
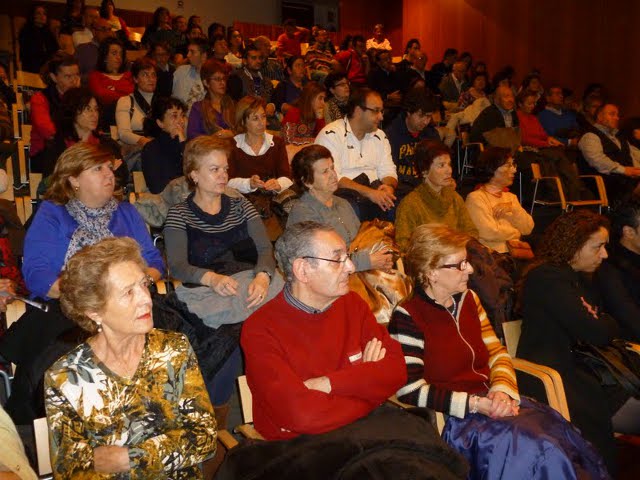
[[248, 431], [552, 382], [227, 440]]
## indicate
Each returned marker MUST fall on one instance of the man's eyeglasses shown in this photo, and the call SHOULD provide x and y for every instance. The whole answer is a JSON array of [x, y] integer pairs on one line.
[[374, 110], [462, 265], [343, 261]]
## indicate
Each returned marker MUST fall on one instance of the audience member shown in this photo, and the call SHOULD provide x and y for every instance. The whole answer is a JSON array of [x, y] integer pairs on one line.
[[477, 89], [503, 78], [160, 28], [62, 75], [413, 46], [415, 75], [271, 67], [117, 24], [215, 114], [87, 53], [110, 80], [162, 156], [319, 56], [248, 81], [289, 90], [384, 80], [338, 90], [532, 83], [495, 211], [289, 41], [72, 19], [443, 68], [610, 156], [453, 84], [379, 41], [404, 133], [316, 303], [304, 120], [366, 173], [194, 20], [133, 109], [557, 121], [187, 84], [104, 397], [220, 50], [14, 464], [586, 117], [7, 95], [161, 53], [218, 245], [617, 277], [194, 34], [435, 200], [571, 250], [215, 29], [353, 60], [85, 34], [236, 48], [501, 114], [549, 151], [460, 368], [37, 41], [76, 120], [313, 172], [258, 164]]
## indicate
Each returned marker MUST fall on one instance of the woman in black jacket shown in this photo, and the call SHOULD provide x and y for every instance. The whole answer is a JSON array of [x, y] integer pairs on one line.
[[561, 307], [37, 41]]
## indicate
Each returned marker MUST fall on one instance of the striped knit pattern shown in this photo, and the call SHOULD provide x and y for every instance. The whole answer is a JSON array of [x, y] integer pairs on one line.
[[180, 217], [419, 392]]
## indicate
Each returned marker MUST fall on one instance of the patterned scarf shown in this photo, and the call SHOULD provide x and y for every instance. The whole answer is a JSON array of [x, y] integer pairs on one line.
[[93, 224]]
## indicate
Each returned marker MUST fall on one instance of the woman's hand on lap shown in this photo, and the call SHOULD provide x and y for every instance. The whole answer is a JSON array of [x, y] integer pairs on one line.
[[257, 290], [223, 285], [501, 405]]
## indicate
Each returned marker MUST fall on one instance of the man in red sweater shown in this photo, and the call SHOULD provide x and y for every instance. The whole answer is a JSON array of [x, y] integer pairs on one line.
[[316, 359]]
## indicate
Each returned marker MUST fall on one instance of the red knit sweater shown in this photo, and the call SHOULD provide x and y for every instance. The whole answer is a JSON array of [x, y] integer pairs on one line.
[[273, 164], [107, 90], [284, 346], [533, 135]]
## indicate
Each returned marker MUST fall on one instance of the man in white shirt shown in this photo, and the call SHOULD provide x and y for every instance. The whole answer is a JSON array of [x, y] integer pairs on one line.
[[362, 157], [187, 84]]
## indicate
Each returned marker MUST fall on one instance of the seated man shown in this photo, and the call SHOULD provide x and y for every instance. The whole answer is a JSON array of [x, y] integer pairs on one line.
[[316, 360], [187, 84], [610, 156], [415, 73], [354, 61], [367, 177], [271, 67], [384, 79], [319, 56], [557, 121], [453, 84], [439, 70], [501, 114], [404, 133], [617, 277], [249, 80], [289, 41]]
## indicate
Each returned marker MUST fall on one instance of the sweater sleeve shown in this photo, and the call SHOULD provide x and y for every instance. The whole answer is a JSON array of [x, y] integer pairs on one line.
[[417, 391], [501, 375], [519, 217], [41, 116], [177, 247], [195, 126], [406, 220], [532, 132], [123, 121], [258, 233]]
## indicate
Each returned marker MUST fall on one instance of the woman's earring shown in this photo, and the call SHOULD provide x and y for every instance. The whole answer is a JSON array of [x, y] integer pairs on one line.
[[99, 324], [76, 189]]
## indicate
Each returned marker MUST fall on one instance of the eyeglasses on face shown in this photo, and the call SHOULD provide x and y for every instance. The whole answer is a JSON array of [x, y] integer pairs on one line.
[[374, 110], [462, 265], [342, 261]]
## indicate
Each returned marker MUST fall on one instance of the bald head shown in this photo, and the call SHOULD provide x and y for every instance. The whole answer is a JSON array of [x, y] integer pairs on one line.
[[504, 98]]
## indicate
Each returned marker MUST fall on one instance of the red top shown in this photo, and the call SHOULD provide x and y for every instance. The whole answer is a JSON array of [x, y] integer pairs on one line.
[[285, 346], [355, 72], [296, 131], [42, 126], [272, 164], [108, 90], [533, 135], [290, 46]]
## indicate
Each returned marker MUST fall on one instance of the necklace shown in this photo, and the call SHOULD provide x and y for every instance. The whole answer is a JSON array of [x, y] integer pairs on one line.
[[497, 194]]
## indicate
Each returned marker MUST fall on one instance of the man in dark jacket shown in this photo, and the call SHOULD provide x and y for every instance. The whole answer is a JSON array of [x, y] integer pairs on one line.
[[499, 115]]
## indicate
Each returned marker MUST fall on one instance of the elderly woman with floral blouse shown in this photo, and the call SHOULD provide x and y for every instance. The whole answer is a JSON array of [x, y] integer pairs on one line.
[[131, 399]]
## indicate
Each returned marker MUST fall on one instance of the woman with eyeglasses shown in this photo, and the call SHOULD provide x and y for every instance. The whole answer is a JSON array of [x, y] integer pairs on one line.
[[338, 91], [435, 200], [456, 365], [215, 114], [493, 208]]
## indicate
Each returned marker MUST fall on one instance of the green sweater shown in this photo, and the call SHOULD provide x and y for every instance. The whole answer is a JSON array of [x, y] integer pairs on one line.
[[423, 205]]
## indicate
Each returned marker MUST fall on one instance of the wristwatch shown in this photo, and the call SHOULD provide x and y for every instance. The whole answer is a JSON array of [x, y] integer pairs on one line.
[[267, 274]]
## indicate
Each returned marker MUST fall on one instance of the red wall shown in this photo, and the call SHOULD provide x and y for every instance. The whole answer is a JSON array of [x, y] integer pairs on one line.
[[573, 42]]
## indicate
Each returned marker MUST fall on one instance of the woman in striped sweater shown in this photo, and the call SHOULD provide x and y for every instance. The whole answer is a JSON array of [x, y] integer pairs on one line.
[[456, 365]]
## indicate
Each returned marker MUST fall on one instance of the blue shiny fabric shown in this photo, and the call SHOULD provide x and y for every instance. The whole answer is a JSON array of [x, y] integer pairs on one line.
[[537, 444]]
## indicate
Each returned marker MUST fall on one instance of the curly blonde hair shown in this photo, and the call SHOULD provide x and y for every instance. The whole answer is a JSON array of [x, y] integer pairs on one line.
[[428, 245], [84, 285], [73, 161]]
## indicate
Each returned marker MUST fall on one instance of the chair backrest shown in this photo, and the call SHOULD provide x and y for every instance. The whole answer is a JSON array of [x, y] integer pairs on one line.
[[535, 170], [41, 431], [5, 387], [246, 399], [34, 182], [512, 335], [30, 80]]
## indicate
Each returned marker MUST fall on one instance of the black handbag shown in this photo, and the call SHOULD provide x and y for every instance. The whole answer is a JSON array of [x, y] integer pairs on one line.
[[613, 364]]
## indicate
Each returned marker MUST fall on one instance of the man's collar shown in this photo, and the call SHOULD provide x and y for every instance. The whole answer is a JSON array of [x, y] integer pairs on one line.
[[556, 110], [609, 131], [294, 302], [502, 110]]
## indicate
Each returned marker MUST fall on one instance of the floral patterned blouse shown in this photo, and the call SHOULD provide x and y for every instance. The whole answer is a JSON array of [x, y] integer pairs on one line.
[[163, 413]]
